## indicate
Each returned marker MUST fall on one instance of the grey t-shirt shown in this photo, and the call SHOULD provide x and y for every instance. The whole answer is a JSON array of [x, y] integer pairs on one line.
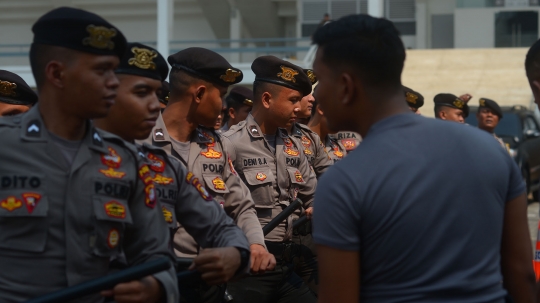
[[422, 200], [182, 148], [68, 148]]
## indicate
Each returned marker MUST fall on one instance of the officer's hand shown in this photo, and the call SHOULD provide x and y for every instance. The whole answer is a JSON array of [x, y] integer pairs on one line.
[[146, 290], [465, 97], [217, 265], [309, 212], [261, 260]]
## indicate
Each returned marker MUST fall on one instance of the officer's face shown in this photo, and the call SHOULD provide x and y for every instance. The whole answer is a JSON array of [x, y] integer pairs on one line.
[[487, 119], [7, 109], [284, 106], [453, 114], [137, 108], [306, 105], [210, 105], [89, 85], [237, 116]]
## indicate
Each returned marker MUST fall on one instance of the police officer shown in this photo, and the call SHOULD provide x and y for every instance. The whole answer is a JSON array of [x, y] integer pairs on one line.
[[71, 197], [15, 95], [239, 103], [140, 72], [414, 99], [489, 114], [163, 94], [308, 140], [450, 107], [276, 171], [350, 140], [333, 147], [198, 79]]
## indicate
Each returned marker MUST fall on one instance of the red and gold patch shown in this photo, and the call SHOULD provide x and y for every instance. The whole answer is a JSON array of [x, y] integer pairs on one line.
[[209, 137], [159, 179], [144, 174], [200, 188], [292, 152], [115, 210], [260, 177], [231, 166], [348, 144], [113, 238], [211, 154], [150, 195], [112, 160], [305, 141], [338, 154], [31, 200], [167, 215], [111, 173], [298, 177], [189, 177], [219, 184], [308, 152], [156, 164], [287, 142], [11, 203]]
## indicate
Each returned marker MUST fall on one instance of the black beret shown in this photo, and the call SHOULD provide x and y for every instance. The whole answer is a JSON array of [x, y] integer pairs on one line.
[[207, 65], [164, 95], [488, 103], [452, 101], [274, 70], [240, 95], [311, 76], [144, 61], [14, 90], [79, 30], [414, 98]]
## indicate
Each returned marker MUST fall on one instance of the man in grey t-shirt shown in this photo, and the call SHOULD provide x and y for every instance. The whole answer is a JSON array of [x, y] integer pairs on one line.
[[423, 210]]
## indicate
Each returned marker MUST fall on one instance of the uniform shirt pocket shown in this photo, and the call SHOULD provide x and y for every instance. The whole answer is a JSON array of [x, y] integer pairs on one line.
[[260, 182], [111, 217], [297, 180], [23, 220]]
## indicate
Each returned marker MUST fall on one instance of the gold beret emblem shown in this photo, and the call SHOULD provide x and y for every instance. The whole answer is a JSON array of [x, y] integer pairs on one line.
[[411, 98], [482, 102], [100, 37], [248, 102], [143, 58], [7, 88], [458, 103], [230, 75], [311, 76], [287, 74], [167, 97]]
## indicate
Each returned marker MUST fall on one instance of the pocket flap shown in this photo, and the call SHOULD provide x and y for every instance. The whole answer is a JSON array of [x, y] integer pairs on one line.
[[296, 176], [259, 175], [108, 209], [216, 184], [19, 203]]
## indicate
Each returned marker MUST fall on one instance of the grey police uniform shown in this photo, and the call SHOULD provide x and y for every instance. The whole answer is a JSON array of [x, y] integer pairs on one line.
[[60, 224], [312, 147], [349, 140], [335, 149], [208, 160]]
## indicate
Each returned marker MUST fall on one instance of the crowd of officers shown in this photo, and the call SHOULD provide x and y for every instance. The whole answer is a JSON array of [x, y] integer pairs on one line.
[[114, 167]]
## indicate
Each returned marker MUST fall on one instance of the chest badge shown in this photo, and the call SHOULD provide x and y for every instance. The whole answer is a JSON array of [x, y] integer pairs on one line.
[[167, 215], [111, 173], [291, 152], [298, 177], [156, 164], [348, 144], [218, 183], [211, 154], [287, 142], [308, 152], [160, 179], [11, 203], [306, 142], [31, 200], [115, 210], [112, 160], [338, 154], [260, 177], [113, 238]]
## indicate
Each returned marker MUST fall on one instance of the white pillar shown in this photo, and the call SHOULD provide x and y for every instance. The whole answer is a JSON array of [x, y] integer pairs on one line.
[[165, 16], [376, 8], [235, 33]]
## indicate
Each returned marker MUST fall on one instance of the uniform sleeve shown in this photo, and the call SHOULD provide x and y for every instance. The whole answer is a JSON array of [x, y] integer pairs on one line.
[[307, 190], [202, 217], [148, 237], [322, 161], [516, 185], [239, 203], [336, 220]]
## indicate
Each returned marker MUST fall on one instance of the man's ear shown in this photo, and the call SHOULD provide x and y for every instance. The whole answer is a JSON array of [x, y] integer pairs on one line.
[[319, 110], [266, 99], [54, 73], [348, 88], [199, 93], [231, 113], [442, 114]]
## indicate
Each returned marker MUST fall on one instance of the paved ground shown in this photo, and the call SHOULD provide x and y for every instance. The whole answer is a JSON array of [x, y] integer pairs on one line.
[[532, 214]]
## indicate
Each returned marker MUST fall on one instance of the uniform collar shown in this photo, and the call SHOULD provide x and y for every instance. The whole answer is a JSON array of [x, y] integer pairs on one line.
[[33, 129], [295, 130], [253, 128], [203, 136], [160, 133]]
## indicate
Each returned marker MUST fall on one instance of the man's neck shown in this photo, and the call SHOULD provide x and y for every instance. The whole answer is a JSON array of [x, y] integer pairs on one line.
[[394, 105], [266, 126], [59, 122], [178, 122]]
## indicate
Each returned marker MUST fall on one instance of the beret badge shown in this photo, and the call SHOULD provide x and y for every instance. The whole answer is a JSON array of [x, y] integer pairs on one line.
[[311, 76], [458, 103], [143, 58], [7, 88], [287, 74], [411, 98], [482, 102], [230, 75], [100, 37]]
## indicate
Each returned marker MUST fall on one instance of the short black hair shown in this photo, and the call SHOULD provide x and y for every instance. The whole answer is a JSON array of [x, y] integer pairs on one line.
[[438, 109], [370, 45], [180, 81], [532, 61], [42, 54], [260, 87]]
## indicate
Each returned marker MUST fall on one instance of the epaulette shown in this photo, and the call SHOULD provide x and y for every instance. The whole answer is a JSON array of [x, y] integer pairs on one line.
[[11, 121], [235, 128]]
